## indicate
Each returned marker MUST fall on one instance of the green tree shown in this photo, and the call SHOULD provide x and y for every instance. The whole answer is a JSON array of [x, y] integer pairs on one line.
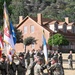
[[58, 39], [53, 9], [1, 28], [1, 9], [17, 9], [19, 36], [28, 41]]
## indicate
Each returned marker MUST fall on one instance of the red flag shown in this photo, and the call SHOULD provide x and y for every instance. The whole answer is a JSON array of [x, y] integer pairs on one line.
[[1, 42], [6, 26], [1, 45]]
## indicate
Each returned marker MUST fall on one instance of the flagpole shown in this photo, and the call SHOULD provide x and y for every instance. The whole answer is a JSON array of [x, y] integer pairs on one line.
[[45, 50], [6, 33], [9, 36], [5, 48], [7, 61]]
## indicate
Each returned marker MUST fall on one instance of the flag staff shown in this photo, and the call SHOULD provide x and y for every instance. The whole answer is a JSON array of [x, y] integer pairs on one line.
[[6, 31], [45, 50]]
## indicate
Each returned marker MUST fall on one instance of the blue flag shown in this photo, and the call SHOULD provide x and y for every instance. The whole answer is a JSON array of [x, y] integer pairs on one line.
[[12, 32]]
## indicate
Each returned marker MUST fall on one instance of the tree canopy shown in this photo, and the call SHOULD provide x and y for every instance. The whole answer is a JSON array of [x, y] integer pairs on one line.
[[17, 9], [19, 36], [53, 9], [29, 40], [58, 39]]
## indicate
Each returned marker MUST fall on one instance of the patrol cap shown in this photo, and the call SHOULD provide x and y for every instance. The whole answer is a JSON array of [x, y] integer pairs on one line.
[[39, 58], [3, 56], [21, 54], [54, 58]]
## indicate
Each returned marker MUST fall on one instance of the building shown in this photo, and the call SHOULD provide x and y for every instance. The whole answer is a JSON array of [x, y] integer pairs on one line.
[[34, 27]]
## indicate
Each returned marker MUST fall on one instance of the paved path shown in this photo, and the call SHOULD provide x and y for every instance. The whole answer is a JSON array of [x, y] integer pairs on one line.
[[65, 65], [67, 71]]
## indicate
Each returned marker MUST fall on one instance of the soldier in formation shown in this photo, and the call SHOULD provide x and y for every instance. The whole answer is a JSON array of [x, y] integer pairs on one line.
[[21, 69], [55, 68], [32, 63], [3, 65]]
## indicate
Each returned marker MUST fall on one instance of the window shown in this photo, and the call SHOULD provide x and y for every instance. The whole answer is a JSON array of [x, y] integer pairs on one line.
[[32, 29], [32, 45], [25, 29], [73, 29], [64, 28], [56, 26]]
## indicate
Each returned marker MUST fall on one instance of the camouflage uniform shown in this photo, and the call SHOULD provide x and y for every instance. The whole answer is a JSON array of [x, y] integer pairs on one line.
[[21, 69], [70, 61], [55, 68], [3, 66], [12, 68], [60, 59], [37, 70], [30, 69]]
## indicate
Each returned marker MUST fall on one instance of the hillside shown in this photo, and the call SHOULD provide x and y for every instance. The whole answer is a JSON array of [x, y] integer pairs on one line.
[[54, 9]]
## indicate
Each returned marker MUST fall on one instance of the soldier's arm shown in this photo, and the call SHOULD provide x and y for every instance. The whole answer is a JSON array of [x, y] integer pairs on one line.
[[52, 67]]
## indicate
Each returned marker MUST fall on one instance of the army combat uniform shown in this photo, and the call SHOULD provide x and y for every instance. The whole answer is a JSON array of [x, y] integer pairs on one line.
[[21, 69], [70, 61], [37, 70], [56, 69], [30, 69]]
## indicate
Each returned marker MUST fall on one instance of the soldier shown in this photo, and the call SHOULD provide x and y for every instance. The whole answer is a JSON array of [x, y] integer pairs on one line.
[[12, 67], [55, 68], [3, 65], [21, 66], [30, 69], [32, 56], [60, 58], [70, 59], [56, 54], [27, 58], [37, 68]]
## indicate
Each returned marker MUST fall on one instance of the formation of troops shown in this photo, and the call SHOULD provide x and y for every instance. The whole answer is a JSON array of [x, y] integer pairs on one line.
[[32, 63]]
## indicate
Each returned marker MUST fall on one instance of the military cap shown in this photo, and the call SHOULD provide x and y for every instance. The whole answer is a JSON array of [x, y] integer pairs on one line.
[[54, 58], [39, 58], [21, 54], [3, 56]]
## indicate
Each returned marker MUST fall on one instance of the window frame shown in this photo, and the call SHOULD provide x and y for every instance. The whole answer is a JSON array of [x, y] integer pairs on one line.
[[32, 29], [33, 45], [25, 31]]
